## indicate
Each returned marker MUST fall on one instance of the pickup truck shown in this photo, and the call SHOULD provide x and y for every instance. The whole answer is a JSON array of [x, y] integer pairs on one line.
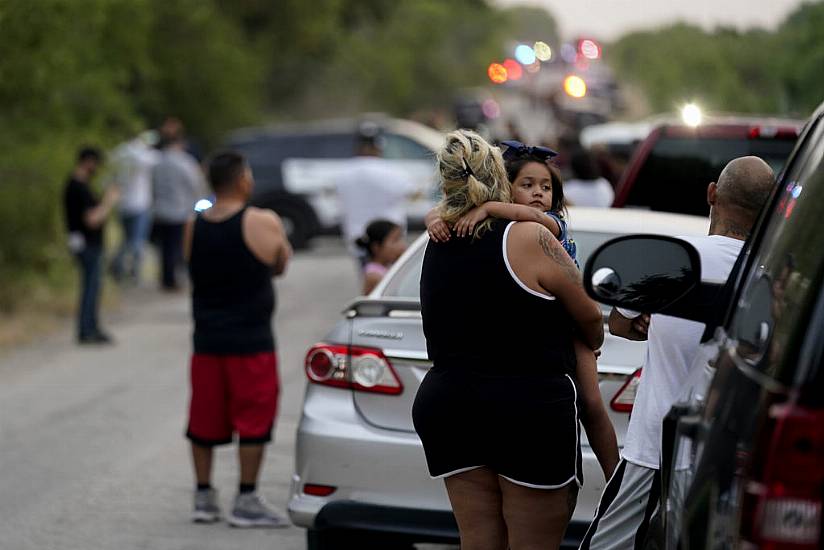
[[669, 170]]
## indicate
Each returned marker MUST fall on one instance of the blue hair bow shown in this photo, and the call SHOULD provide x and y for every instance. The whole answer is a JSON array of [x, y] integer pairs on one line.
[[516, 149]]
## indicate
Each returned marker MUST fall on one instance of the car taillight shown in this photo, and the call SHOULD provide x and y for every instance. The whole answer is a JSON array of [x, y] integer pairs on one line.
[[772, 132], [783, 494], [352, 367], [316, 490], [624, 399]]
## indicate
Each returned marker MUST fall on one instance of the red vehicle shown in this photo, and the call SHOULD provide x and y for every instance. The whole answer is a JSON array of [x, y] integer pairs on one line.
[[671, 168]]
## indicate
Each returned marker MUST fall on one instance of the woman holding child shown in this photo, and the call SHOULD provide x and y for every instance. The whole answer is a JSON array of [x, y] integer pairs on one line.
[[512, 335]]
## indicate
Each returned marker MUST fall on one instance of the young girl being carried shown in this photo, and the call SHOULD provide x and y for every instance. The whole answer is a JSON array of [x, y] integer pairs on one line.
[[538, 196], [383, 244]]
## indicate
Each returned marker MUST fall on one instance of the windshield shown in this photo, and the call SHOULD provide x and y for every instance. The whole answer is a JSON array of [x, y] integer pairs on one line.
[[675, 176], [406, 282]]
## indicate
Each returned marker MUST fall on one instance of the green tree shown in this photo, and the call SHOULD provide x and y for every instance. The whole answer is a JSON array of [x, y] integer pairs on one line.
[[801, 40], [726, 69], [76, 72]]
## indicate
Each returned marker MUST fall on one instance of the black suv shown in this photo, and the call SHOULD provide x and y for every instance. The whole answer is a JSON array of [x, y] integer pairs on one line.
[[754, 426]]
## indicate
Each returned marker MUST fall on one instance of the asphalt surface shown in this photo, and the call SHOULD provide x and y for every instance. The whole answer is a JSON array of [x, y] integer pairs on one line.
[[92, 454]]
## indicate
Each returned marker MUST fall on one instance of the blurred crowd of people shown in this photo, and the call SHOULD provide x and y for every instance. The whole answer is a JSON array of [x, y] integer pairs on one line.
[[153, 183]]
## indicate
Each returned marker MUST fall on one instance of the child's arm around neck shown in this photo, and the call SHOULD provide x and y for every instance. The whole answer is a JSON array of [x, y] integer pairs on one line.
[[521, 213]]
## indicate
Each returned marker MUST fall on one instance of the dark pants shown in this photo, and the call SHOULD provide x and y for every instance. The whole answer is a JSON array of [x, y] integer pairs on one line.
[[135, 232], [89, 261], [170, 240]]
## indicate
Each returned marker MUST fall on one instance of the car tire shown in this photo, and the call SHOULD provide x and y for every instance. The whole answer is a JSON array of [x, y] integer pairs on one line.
[[339, 539], [296, 225], [298, 219]]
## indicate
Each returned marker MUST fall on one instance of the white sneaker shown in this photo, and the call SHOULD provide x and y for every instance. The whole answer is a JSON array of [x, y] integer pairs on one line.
[[206, 509], [251, 510]]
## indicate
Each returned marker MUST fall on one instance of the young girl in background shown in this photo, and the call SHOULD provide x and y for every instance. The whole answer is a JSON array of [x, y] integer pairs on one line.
[[538, 196], [383, 244]]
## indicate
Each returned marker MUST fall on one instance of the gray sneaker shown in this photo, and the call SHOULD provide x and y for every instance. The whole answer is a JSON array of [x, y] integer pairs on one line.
[[251, 510], [206, 508]]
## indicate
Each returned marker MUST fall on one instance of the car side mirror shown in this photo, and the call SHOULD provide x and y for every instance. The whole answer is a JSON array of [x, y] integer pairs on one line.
[[645, 273]]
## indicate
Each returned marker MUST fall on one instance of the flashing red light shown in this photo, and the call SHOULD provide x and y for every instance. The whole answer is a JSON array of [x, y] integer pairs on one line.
[[513, 69], [589, 48]]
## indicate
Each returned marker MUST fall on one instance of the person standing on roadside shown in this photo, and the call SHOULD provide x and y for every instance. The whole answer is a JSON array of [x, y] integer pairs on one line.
[[133, 162], [587, 187], [631, 496], [233, 251], [85, 217], [371, 188], [177, 184]]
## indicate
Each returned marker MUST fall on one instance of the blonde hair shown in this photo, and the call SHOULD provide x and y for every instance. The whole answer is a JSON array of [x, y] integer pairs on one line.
[[485, 181]]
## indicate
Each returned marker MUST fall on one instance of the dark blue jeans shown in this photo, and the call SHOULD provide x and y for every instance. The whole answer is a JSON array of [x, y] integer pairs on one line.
[[129, 258], [89, 261], [170, 240]]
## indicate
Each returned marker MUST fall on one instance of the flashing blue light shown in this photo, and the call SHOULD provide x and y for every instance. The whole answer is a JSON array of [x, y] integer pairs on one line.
[[525, 55], [797, 192], [203, 204]]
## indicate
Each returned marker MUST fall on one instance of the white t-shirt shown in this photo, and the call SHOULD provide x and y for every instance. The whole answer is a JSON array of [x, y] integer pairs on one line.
[[598, 192], [372, 188], [672, 349], [133, 162]]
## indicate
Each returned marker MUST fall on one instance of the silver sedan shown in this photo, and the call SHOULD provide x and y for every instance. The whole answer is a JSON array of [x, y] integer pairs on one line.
[[360, 477]]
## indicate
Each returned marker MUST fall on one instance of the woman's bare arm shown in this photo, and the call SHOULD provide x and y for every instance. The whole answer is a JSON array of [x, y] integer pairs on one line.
[[599, 428], [561, 278]]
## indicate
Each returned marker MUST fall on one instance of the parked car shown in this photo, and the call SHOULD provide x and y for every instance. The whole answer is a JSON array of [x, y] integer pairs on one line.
[[360, 472], [294, 168], [752, 417], [670, 169]]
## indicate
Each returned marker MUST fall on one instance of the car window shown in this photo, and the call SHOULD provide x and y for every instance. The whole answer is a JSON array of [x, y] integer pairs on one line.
[[587, 241], [783, 282], [677, 171], [328, 146], [401, 147], [406, 281]]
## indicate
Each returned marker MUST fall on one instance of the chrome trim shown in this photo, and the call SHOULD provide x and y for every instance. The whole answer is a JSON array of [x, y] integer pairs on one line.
[[404, 314], [406, 354]]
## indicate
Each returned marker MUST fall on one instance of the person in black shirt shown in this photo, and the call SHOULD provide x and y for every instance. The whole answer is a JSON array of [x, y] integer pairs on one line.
[[233, 251], [85, 216], [498, 412]]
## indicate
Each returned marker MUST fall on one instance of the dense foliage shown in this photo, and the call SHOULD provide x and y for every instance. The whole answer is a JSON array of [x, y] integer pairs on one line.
[[78, 72], [726, 69]]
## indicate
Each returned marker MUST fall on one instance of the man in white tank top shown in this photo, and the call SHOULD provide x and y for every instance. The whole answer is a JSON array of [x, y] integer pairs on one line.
[[631, 495]]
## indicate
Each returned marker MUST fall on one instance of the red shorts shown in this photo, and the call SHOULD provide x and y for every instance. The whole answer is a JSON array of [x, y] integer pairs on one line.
[[233, 394]]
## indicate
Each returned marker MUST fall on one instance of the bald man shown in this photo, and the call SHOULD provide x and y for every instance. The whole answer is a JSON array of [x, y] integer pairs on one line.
[[631, 496]]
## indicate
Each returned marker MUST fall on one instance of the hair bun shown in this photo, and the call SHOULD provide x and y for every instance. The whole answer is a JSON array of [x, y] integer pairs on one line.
[[362, 242], [477, 191]]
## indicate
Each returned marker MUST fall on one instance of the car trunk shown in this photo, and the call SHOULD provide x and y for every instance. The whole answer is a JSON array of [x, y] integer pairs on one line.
[[398, 333]]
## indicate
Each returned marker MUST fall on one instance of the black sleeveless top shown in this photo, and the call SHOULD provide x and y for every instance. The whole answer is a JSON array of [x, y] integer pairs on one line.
[[478, 316], [232, 293]]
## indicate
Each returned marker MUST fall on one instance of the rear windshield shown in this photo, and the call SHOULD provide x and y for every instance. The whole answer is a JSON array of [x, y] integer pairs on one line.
[[675, 176]]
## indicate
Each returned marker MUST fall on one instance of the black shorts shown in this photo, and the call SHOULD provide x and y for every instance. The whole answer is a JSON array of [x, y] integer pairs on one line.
[[524, 428]]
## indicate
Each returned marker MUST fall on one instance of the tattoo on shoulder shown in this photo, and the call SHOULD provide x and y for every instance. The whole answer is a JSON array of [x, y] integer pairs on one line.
[[554, 251]]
